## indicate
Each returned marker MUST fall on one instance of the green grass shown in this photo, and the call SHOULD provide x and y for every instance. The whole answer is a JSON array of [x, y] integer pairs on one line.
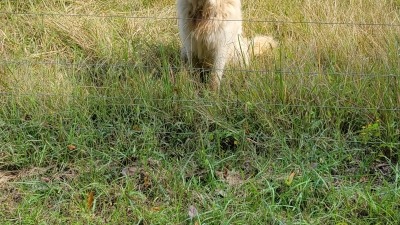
[[307, 134]]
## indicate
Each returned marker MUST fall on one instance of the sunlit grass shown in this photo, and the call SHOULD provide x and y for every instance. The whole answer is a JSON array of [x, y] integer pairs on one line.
[[100, 103]]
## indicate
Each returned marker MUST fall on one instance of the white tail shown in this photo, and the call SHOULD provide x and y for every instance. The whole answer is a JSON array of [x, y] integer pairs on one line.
[[260, 44]]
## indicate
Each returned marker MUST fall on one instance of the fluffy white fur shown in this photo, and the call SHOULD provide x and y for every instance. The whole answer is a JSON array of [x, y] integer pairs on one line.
[[211, 34]]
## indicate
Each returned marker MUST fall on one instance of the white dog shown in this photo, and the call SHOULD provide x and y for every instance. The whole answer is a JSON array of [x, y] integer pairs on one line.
[[211, 34]]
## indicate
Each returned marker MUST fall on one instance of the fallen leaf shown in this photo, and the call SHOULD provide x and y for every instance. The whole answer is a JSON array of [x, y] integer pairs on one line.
[[71, 147], [193, 212], [155, 209], [289, 181], [90, 200]]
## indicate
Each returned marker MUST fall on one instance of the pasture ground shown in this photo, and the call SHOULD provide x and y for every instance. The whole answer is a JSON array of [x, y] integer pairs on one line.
[[101, 124]]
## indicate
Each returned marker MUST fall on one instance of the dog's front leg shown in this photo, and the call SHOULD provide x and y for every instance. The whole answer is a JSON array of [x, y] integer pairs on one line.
[[218, 68]]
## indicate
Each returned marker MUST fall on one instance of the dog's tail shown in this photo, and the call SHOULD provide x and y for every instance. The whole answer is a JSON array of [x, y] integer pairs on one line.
[[261, 44]]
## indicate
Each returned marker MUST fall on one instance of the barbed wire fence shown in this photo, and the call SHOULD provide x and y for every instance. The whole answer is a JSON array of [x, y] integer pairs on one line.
[[206, 103]]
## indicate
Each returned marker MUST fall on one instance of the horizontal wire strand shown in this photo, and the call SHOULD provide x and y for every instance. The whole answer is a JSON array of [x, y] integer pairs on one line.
[[176, 18], [294, 73], [206, 103]]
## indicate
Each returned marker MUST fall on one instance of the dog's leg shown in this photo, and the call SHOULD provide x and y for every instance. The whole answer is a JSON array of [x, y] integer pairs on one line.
[[192, 62], [187, 55], [186, 51], [218, 67], [184, 55]]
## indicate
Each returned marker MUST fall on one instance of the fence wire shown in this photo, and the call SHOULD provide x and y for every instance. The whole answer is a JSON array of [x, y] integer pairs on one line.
[[125, 16], [257, 139], [176, 68], [205, 103]]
